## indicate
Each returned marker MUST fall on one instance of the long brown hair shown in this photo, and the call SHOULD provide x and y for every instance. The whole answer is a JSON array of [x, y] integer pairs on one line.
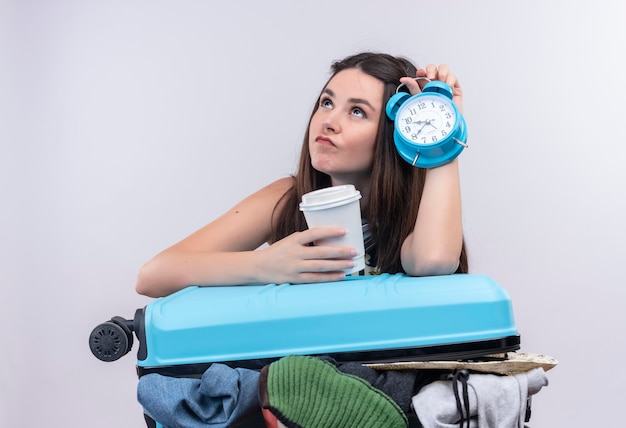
[[391, 208]]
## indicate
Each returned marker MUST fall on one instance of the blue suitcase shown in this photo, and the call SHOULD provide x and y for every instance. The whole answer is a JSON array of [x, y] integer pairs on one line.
[[371, 319]]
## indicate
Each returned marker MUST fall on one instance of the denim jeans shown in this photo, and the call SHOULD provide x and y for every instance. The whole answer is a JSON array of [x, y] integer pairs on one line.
[[218, 399]]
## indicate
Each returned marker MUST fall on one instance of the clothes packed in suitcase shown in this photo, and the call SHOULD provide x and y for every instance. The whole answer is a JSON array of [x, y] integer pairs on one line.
[[378, 348]]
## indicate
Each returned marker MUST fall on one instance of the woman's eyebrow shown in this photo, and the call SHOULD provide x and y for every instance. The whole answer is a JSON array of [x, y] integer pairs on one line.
[[352, 100]]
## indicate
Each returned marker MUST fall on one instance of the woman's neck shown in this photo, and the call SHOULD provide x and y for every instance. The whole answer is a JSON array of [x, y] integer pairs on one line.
[[363, 185]]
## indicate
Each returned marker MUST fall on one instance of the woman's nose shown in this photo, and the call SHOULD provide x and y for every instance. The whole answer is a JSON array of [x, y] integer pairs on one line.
[[331, 124]]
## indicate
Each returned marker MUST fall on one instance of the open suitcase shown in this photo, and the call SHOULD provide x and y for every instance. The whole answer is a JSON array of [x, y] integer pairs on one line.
[[371, 319]]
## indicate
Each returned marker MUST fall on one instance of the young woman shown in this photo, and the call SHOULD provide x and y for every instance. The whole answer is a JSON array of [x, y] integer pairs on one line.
[[413, 215]]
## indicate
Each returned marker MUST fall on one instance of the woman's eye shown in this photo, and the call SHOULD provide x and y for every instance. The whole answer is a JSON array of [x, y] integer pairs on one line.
[[326, 103], [358, 112]]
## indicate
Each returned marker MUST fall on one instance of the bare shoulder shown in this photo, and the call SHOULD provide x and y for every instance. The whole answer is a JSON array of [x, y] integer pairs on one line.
[[280, 186]]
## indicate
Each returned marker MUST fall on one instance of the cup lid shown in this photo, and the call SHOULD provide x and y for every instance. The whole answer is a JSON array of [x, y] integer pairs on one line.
[[329, 197]]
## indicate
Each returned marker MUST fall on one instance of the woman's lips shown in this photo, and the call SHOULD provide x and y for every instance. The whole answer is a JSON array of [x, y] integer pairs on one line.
[[325, 141]]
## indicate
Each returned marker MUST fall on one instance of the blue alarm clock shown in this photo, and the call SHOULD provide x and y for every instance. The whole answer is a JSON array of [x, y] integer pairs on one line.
[[429, 130]]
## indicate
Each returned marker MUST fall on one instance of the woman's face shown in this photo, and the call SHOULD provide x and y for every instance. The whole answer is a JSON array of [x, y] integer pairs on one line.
[[342, 132]]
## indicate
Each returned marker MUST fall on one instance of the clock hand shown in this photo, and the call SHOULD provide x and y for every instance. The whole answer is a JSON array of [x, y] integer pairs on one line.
[[430, 122]]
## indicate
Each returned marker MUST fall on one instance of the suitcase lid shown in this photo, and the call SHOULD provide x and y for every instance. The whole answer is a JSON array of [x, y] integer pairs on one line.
[[384, 312]]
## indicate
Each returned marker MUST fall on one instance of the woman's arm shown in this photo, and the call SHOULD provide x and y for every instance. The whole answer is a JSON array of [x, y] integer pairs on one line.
[[434, 246], [223, 252]]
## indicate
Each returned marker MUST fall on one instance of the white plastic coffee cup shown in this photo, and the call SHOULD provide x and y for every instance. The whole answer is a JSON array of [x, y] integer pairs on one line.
[[337, 206]]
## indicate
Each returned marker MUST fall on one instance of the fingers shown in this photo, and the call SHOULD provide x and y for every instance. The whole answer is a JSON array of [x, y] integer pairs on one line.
[[441, 73], [323, 250], [325, 265], [310, 277], [326, 259], [413, 85], [432, 72], [317, 233], [328, 252]]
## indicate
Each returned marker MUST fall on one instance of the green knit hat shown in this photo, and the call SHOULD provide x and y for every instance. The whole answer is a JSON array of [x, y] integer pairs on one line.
[[307, 392]]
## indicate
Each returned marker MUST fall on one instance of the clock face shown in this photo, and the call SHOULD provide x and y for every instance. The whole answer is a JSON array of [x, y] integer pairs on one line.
[[426, 119]]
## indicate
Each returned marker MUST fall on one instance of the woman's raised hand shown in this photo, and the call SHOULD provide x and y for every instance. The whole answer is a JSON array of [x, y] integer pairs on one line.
[[434, 72]]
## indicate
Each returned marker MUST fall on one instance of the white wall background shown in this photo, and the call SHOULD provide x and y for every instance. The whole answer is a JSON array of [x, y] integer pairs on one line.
[[119, 125]]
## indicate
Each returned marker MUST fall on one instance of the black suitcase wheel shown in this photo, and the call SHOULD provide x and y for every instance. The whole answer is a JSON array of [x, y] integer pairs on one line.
[[111, 340]]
